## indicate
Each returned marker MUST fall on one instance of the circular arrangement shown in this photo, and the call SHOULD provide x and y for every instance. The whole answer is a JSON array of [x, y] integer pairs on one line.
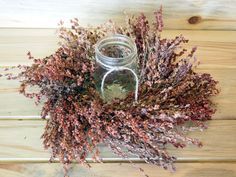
[[172, 98]]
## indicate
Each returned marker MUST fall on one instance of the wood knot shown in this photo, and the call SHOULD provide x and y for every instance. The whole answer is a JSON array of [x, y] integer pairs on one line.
[[194, 20]]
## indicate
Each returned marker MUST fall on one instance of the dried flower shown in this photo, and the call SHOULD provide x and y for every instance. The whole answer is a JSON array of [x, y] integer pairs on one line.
[[171, 94]]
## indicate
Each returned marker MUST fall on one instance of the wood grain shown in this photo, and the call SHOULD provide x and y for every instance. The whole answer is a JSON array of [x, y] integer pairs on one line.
[[181, 14], [20, 141], [216, 52], [216, 49], [21, 149], [117, 170]]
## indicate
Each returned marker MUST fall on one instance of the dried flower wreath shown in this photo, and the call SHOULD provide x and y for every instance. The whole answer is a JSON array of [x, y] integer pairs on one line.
[[173, 99]]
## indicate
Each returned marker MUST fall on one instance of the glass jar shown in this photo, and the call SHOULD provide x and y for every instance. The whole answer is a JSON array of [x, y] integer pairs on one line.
[[116, 67]]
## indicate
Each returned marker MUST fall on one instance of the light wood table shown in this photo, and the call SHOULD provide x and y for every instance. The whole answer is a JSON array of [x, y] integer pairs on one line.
[[210, 25]]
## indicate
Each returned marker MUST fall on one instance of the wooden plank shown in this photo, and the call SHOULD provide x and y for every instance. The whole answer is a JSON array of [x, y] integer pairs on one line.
[[117, 170], [16, 106], [216, 49], [211, 14], [20, 141], [41, 42]]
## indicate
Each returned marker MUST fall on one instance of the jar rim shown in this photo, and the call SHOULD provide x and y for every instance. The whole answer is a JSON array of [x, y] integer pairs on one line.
[[118, 39]]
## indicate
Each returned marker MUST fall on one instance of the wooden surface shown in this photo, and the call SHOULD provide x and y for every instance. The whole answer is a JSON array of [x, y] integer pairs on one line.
[[216, 53], [21, 150], [212, 25], [21, 140], [178, 14], [118, 170]]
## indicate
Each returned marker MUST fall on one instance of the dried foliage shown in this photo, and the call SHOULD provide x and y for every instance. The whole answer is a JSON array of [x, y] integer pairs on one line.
[[173, 99]]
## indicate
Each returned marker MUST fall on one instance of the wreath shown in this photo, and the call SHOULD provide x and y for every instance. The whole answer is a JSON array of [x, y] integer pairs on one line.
[[173, 99]]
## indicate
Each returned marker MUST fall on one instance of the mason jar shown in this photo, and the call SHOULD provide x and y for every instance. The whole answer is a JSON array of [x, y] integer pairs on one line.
[[116, 67]]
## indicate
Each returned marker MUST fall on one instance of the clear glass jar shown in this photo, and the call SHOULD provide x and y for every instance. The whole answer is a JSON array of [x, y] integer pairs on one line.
[[116, 67]]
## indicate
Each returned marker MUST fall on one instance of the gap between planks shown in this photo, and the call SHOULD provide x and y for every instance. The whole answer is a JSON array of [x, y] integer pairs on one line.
[[116, 160]]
